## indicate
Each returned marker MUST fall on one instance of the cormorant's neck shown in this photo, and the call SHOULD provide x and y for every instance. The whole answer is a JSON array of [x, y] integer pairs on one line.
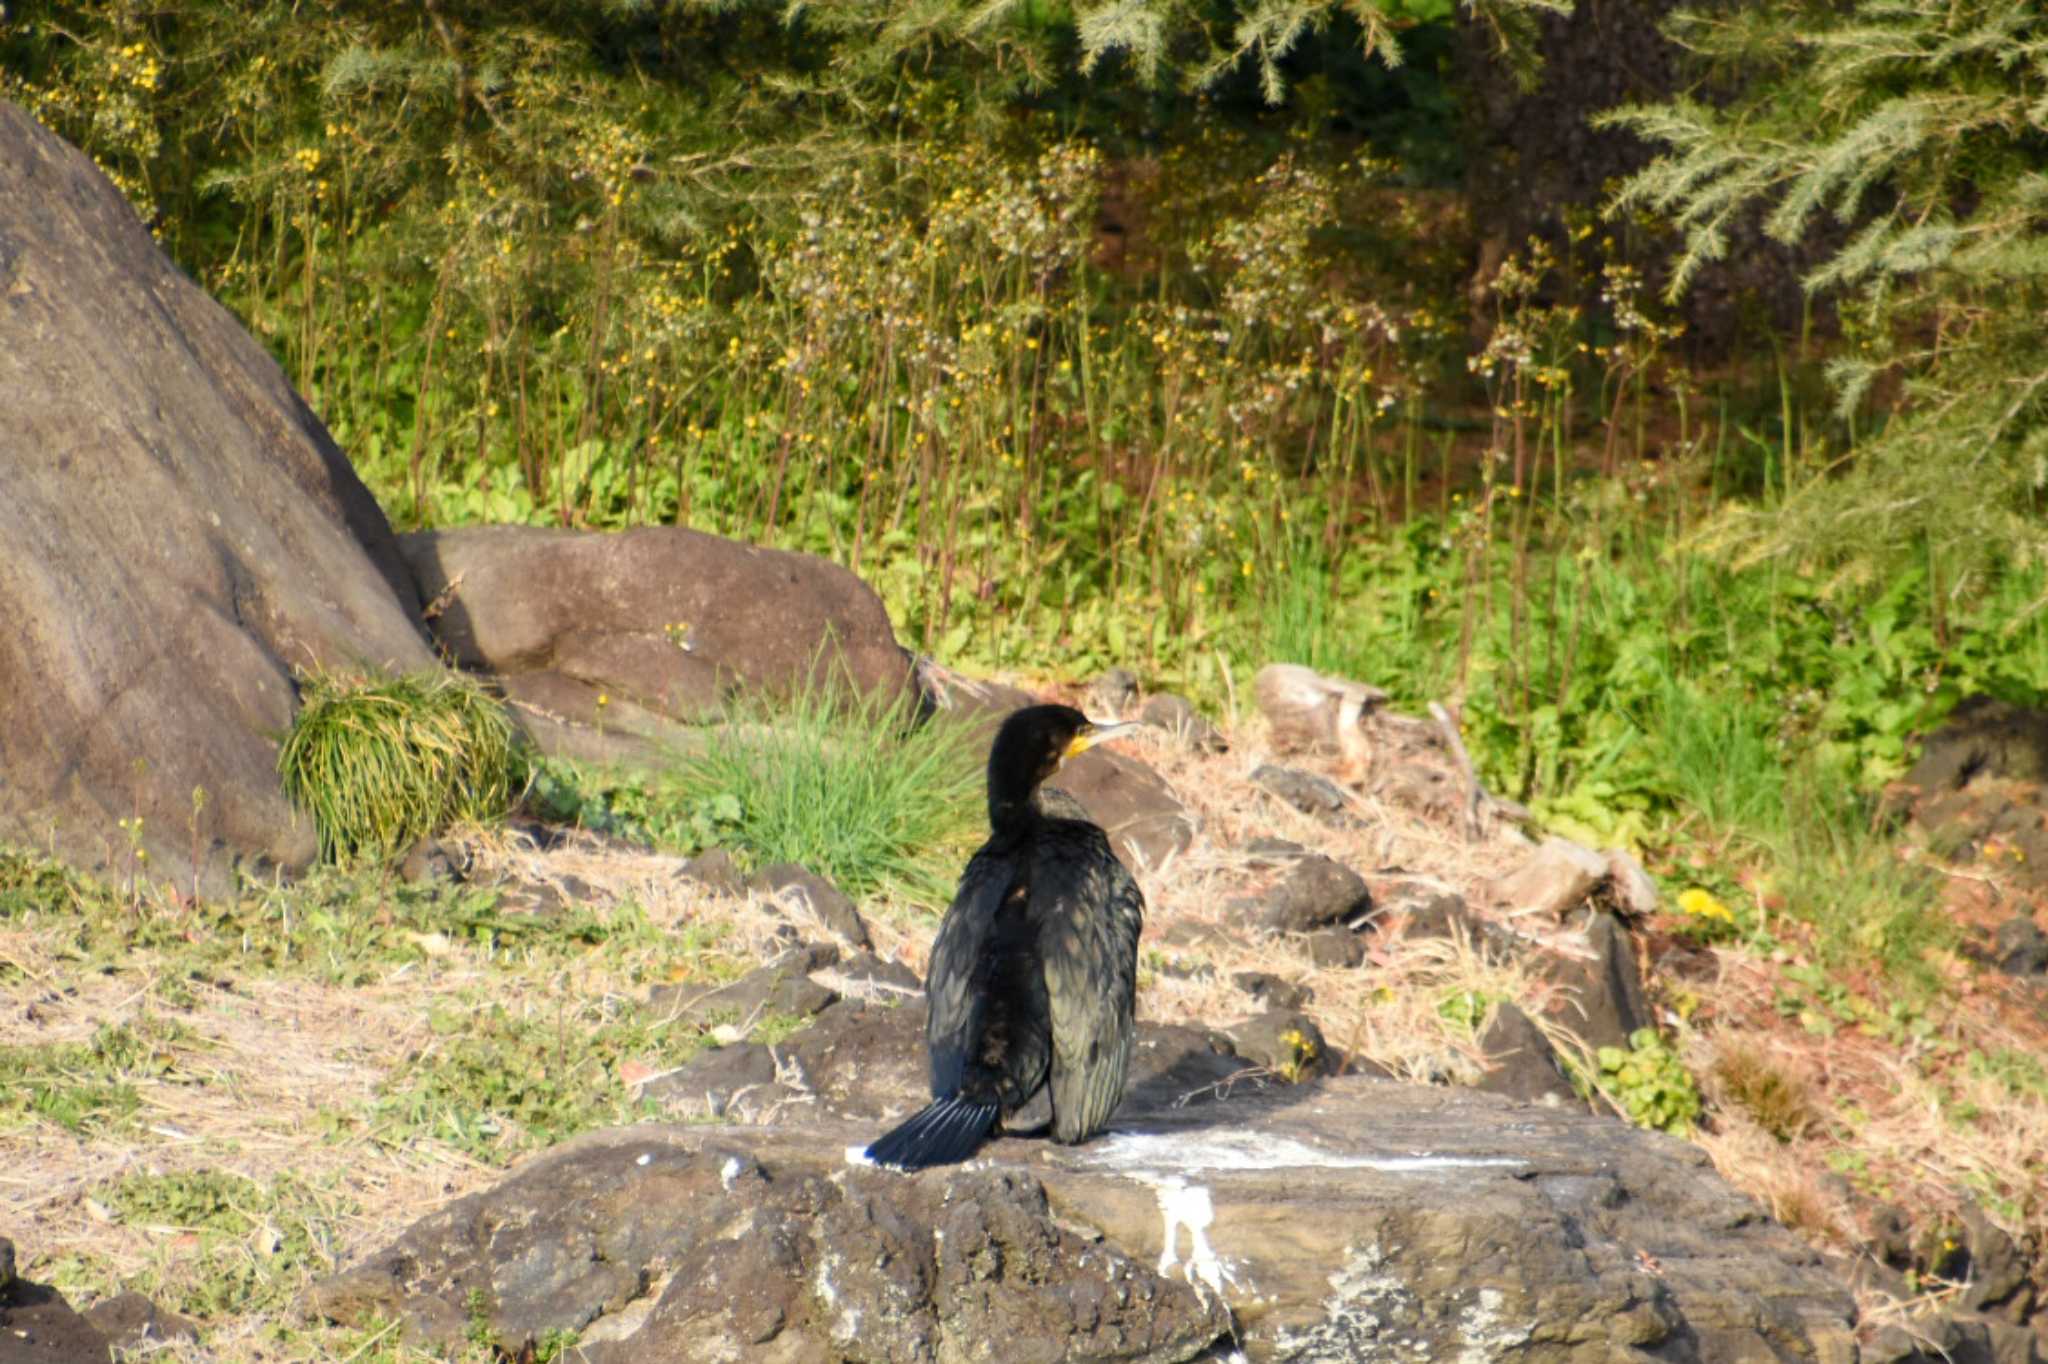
[[1010, 809]]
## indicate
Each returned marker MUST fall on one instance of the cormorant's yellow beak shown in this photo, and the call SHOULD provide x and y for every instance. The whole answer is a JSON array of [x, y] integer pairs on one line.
[[1092, 734]]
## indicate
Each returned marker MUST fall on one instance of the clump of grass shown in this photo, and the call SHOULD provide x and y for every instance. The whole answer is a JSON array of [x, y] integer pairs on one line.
[[380, 764], [855, 788], [90, 1086], [256, 1245], [1776, 1099], [1845, 878], [495, 1082]]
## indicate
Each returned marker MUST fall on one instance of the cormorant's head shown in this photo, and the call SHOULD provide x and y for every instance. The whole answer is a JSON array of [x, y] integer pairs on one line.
[[1030, 747]]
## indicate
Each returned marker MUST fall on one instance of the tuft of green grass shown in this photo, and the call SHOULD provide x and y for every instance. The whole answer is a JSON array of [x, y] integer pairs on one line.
[[495, 1083], [90, 1086], [1846, 879], [256, 1246], [855, 788], [382, 763]]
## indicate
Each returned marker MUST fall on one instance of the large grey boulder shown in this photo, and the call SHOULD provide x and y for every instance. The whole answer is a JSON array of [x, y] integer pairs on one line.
[[1341, 1220], [178, 534], [609, 644]]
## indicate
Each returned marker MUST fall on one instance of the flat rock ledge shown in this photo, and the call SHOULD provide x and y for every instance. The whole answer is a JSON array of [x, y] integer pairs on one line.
[[1345, 1219]]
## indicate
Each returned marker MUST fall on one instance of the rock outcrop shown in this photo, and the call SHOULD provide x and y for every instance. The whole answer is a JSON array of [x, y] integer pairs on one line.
[[605, 643], [178, 534], [1344, 1219]]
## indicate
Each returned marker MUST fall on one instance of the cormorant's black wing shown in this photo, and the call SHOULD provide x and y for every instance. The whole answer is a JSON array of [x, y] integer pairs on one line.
[[956, 984], [1089, 914]]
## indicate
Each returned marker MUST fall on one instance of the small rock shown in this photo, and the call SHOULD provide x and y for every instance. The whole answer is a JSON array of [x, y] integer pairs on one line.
[[1271, 852], [782, 986], [1316, 892], [715, 870], [134, 1325], [1111, 696], [1305, 791], [1432, 913], [6, 1266], [1178, 717], [1558, 876], [832, 907], [1891, 1236], [1607, 1004], [1337, 948], [716, 1076], [1312, 710], [1275, 992], [1428, 790], [2021, 947], [37, 1326], [1635, 894], [544, 898], [1891, 1345], [1193, 934], [1145, 821], [870, 975], [1284, 1041], [1523, 1063], [1998, 1271], [433, 859]]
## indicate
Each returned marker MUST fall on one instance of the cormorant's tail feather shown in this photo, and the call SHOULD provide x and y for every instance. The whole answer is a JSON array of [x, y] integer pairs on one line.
[[943, 1133]]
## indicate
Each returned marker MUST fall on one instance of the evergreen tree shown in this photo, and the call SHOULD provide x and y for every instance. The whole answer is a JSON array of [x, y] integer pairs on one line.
[[1921, 128]]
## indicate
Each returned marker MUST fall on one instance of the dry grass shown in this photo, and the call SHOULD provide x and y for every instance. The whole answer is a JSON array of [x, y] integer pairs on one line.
[[1818, 1127]]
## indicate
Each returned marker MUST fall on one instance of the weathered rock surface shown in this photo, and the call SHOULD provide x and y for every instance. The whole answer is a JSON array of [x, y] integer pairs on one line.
[[1558, 875], [803, 889], [1523, 1063], [1315, 711], [178, 534], [1316, 891], [2020, 947], [1309, 792], [1342, 1220], [1178, 717], [135, 1326], [1607, 1002], [624, 635]]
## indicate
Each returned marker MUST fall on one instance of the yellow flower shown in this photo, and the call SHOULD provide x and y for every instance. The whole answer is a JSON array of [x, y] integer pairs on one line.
[[1702, 904]]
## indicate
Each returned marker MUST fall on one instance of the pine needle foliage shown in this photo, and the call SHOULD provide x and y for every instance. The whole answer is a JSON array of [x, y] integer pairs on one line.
[[380, 764], [1915, 128]]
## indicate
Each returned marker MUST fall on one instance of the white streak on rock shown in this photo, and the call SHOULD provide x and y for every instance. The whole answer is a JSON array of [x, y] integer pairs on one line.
[[1233, 1149], [1188, 1205]]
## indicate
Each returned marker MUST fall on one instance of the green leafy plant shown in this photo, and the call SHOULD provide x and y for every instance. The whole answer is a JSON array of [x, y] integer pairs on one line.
[[1650, 1083], [382, 763]]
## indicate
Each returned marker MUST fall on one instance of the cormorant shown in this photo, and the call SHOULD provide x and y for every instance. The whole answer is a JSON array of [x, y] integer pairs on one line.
[[1033, 979]]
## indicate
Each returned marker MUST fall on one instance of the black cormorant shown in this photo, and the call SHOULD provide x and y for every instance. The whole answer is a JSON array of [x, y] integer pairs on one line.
[[1033, 979]]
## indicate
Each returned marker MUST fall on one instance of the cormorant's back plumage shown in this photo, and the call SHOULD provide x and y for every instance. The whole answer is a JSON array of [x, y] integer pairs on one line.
[[1033, 978]]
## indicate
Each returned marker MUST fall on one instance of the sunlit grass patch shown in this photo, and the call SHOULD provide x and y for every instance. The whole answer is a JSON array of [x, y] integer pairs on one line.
[[87, 1087], [494, 1081], [382, 763], [253, 1246], [855, 788]]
